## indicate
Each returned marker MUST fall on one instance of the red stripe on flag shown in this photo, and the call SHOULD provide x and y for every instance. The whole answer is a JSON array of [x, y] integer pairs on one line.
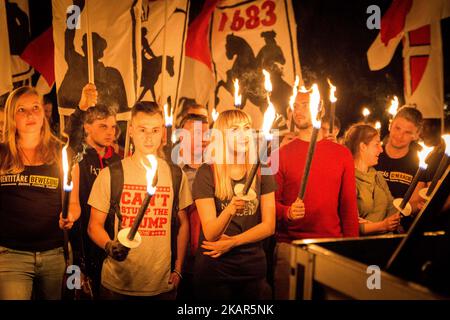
[[40, 55], [197, 44], [418, 64], [420, 37], [393, 21]]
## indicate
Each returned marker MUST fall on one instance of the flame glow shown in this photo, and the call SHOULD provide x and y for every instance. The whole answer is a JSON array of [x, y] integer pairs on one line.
[[173, 138], [237, 96], [314, 104], [168, 118], [267, 82], [378, 125], [446, 138], [366, 112], [294, 93], [303, 89], [269, 117], [333, 98], [423, 154], [214, 114], [150, 173], [394, 106], [65, 165]]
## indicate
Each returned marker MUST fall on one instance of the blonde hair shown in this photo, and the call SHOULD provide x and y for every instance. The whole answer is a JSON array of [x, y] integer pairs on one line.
[[48, 148], [222, 179]]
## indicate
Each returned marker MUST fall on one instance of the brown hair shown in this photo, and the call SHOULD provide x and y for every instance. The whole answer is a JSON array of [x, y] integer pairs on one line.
[[99, 112], [148, 107], [337, 122], [358, 133], [411, 114], [48, 149]]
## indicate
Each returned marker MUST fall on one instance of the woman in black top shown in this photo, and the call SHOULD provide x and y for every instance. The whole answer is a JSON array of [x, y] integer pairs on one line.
[[231, 263], [31, 254]]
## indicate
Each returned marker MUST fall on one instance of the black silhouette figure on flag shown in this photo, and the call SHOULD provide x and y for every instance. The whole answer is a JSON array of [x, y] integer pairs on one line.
[[108, 80], [151, 67], [18, 28], [248, 69]]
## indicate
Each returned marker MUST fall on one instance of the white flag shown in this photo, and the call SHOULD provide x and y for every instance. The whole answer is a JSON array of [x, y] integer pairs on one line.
[[5, 74], [417, 22], [246, 37], [423, 70], [171, 18], [116, 43]]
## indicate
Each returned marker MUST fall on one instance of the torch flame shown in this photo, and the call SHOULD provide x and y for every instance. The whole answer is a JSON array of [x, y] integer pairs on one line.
[[378, 125], [269, 117], [65, 165], [303, 89], [394, 106], [214, 114], [446, 138], [173, 138], [150, 173], [314, 104], [333, 98], [267, 82], [237, 96], [294, 93], [366, 112], [168, 118], [423, 154]]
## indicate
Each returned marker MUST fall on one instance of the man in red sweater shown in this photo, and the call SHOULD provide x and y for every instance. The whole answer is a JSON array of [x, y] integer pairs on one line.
[[329, 208]]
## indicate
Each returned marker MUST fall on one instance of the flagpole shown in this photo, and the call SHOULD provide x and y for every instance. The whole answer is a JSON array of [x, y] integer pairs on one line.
[[90, 56], [164, 59]]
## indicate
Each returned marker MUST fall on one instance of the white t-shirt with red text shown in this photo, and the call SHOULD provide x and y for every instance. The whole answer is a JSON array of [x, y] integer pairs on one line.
[[146, 270]]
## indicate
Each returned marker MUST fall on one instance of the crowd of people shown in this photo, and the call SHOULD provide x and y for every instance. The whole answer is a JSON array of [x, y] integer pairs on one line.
[[201, 239]]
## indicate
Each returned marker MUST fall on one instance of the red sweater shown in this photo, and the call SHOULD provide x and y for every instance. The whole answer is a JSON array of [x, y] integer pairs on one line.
[[330, 196]]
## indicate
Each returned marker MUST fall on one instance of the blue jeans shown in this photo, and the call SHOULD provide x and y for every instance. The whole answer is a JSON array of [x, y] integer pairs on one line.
[[21, 272]]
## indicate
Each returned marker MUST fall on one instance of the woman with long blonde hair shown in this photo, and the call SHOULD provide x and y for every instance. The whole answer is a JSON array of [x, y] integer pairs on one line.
[[231, 263], [31, 254]]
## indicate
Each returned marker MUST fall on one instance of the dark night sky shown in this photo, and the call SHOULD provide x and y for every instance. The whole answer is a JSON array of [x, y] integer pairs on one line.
[[333, 40]]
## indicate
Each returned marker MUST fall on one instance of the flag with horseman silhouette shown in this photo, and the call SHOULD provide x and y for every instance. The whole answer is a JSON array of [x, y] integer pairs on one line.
[[247, 37], [116, 45], [157, 42]]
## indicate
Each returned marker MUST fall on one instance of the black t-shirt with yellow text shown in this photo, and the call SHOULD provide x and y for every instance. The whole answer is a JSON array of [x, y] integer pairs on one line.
[[242, 263], [30, 204]]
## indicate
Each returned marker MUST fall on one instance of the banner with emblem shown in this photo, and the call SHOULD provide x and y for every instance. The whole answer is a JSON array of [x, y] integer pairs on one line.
[[116, 45], [247, 37], [163, 32]]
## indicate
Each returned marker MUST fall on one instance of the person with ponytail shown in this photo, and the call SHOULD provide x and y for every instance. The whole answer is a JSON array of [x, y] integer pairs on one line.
[[375, 203]]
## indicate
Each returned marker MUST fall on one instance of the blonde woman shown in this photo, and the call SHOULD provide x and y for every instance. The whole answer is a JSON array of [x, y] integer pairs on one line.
[[375, 203], [231, 263], [31, 254]]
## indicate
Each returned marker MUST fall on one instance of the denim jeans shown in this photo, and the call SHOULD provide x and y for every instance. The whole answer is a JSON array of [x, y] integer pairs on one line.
[[26, 274]]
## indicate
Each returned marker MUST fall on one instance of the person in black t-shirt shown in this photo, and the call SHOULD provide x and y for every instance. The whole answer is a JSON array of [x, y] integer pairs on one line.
[[231, 263], [399, 161], [92, 130], [31, 253]]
